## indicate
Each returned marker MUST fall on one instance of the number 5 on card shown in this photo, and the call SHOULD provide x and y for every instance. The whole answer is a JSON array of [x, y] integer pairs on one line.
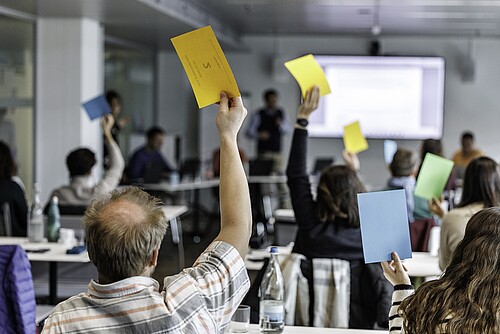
[[206, 66]]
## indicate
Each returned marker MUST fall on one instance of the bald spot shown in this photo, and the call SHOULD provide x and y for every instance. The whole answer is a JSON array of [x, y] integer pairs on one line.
[[123, 212]]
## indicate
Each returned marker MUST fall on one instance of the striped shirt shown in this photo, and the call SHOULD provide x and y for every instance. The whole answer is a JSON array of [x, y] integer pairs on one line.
[[395, 320], [200, 299]]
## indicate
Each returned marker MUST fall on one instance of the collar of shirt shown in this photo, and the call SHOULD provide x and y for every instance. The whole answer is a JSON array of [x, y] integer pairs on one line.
[[128, 286]]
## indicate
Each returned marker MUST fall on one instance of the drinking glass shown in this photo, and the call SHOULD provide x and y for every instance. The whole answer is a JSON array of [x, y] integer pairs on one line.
[[240, 320]]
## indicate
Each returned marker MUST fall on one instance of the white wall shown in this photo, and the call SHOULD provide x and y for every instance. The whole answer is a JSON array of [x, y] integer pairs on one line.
[[177, 108], [468, 105], [70, 62]]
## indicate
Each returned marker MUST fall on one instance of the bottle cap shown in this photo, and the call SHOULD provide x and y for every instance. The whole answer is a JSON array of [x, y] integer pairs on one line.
[[273, 250], [55, 200]]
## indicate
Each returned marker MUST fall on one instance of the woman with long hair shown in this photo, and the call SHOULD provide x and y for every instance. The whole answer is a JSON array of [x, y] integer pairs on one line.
[[481, 189], [466, 299], [328, 227], [11, 193]]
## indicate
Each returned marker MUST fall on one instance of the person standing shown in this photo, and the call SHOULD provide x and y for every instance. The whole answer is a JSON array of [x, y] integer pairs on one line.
[[465, 154], [268, 125]]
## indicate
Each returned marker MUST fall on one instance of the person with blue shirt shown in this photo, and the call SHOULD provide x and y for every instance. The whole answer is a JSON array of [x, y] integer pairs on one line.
[[148, 159]]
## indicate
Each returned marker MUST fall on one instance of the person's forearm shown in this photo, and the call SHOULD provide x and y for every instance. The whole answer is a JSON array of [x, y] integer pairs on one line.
[[236, 214], [298, 155]]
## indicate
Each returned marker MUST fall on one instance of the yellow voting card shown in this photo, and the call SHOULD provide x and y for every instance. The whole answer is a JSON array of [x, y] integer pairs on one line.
[[354, 141], [308, 73], [206, 66]]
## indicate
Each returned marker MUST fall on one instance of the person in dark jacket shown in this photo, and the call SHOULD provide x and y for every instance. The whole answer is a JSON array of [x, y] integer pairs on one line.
[[329, 225], [12, 193]]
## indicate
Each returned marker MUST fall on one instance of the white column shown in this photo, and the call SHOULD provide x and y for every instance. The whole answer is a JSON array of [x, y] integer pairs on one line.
[[70, 70]]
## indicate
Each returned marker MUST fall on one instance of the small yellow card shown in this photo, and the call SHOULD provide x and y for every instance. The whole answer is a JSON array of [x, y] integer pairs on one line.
[[206, 66], [354, 141], [308, 73]]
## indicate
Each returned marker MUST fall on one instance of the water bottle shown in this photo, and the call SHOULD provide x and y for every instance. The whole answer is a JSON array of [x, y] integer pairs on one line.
[[272, 293], [35, 225], [53, 220]]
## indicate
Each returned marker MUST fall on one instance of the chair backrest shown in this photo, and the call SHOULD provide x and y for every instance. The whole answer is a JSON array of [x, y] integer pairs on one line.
[[5, 220], [420, 231], [190, 167], [434, 240], [260, 167]]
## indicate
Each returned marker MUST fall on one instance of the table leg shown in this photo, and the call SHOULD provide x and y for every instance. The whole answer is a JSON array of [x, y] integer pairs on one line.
[[196, 216], [180, 246], [53, 283]]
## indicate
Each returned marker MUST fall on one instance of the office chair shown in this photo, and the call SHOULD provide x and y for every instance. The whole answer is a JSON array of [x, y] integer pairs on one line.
[[5, 221]]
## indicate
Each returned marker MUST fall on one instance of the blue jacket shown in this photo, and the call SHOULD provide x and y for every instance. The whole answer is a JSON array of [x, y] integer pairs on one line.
[[17, 293]]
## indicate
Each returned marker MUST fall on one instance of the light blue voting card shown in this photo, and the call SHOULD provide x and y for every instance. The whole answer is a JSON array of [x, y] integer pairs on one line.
[[384, 225], [97, 107]]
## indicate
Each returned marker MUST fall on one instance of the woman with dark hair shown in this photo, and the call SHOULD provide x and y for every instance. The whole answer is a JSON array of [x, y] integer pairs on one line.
[[328, 227], [481, 189], [466, 299], [11, 193]]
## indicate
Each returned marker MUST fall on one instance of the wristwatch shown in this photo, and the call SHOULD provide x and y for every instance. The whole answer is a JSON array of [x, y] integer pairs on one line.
[[302, 122]]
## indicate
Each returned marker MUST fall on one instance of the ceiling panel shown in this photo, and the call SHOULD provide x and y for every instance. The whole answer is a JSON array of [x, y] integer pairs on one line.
[[135, 21]]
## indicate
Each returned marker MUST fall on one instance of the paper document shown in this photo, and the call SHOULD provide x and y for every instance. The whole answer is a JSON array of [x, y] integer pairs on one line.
[[308, 73], [354, 141], [390, 147], [384, 225], [433, 176], [206, 66], [97, 107]]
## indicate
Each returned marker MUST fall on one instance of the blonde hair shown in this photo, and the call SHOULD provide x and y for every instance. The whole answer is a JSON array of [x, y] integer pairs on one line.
[[123, 228]]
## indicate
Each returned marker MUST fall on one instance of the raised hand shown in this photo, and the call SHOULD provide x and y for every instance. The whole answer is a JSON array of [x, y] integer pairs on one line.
[[310, 103], [107, 123], [230, 116], [395, 271], [351, 160], [436, 208]]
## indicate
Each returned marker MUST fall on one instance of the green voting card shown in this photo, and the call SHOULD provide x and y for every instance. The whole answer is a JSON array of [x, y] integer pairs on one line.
[[433, 176]]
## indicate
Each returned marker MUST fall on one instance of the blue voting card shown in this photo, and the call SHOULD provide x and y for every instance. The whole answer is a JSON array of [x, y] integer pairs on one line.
[[384, 225], [390, 147], [97, 107]]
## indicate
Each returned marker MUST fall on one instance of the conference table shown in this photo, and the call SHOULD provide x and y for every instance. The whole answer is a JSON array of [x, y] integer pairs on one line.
[[50, 252], [254, 329]]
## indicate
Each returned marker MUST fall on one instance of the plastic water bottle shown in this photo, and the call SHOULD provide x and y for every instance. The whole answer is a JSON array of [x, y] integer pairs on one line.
[[53, 220], [35, 225], [272, 293]]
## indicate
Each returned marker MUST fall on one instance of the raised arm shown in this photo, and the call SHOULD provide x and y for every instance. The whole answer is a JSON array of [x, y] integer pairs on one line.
[[117, 164], [298, 179], [236, 213]]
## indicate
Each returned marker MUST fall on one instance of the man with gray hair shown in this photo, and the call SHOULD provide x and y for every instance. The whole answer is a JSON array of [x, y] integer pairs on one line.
[[124, 232]]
